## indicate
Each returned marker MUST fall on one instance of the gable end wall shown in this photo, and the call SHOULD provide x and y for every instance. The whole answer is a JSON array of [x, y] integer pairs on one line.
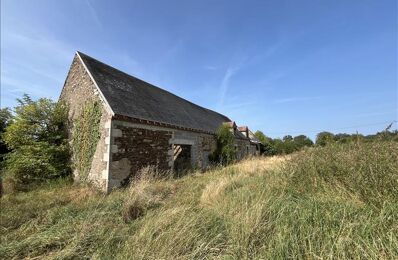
[[78, 89]]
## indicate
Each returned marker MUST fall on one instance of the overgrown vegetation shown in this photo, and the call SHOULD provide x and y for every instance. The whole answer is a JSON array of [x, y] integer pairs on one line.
[[286, 145], [289, 144], [225, 152], [325, 138], [36, 134], [5, 121], [367, 171], [85, 136], [336, 202]]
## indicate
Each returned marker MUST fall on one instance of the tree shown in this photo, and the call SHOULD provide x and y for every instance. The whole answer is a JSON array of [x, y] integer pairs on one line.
[[267, 147], [323, 138], [287, 138], [225, 152], [38, 139], [342, 138], [5, 120], [261, 136], [279, 146], [288, 144], [301, 141]]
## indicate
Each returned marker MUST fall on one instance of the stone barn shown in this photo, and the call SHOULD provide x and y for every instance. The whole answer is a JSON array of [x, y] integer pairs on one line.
[[255, 143], [141, 125]]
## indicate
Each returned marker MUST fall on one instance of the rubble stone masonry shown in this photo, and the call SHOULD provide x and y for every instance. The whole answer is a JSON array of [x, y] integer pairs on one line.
[[135, 146], [78, 89]]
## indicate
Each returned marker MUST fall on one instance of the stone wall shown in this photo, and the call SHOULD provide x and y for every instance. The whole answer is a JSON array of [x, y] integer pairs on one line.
[[253, 150], [242, 148], [207, 144], [77, 90], [134, 146]]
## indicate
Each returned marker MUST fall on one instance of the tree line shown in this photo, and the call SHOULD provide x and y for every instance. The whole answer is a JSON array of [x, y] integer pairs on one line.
[[289, 144]]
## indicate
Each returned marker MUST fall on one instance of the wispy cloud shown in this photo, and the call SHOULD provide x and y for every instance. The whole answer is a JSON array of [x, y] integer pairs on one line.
[[37, 68], [294, 99], [36, 45], [18, 87], [229, 73], [93, 13], [225, 83], [40, 55]]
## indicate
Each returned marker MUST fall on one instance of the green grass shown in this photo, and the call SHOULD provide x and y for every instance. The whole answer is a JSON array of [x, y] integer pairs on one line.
[[332, 202]]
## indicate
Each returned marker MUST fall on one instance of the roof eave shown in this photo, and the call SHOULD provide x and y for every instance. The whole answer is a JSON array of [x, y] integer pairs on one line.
[[157, 123]]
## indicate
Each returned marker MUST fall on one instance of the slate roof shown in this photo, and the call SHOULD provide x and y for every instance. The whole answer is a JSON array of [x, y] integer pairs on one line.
[[135, 98]]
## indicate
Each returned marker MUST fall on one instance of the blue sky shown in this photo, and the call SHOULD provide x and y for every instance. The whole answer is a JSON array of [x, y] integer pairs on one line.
[[283, 67]]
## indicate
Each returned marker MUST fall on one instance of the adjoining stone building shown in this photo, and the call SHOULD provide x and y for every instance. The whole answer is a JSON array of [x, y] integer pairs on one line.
[[255, 143], [142, 125]]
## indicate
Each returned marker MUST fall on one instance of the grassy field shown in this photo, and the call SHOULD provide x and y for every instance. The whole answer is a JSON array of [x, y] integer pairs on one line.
[[333, 202]]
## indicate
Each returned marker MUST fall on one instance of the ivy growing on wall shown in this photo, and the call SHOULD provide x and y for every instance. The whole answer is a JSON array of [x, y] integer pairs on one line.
[[225, 152], [85, 136]]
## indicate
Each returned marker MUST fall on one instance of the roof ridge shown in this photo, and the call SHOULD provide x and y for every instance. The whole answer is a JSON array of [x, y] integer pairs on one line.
[[152, 85]]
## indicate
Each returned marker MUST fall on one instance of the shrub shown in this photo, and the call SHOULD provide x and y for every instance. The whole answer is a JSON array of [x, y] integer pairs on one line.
[[225, 151], [36, 163], [287, 145], [38, 139]]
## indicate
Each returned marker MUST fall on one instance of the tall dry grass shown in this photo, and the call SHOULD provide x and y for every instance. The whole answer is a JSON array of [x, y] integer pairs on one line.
[[335, 202]]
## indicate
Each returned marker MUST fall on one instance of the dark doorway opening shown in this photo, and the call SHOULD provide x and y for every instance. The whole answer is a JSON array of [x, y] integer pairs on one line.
[[182, 158]]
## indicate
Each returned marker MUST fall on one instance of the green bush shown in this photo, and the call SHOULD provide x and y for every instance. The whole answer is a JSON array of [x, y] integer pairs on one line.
[[36, 163], [37, 137], [225, 152], [287, 145]]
